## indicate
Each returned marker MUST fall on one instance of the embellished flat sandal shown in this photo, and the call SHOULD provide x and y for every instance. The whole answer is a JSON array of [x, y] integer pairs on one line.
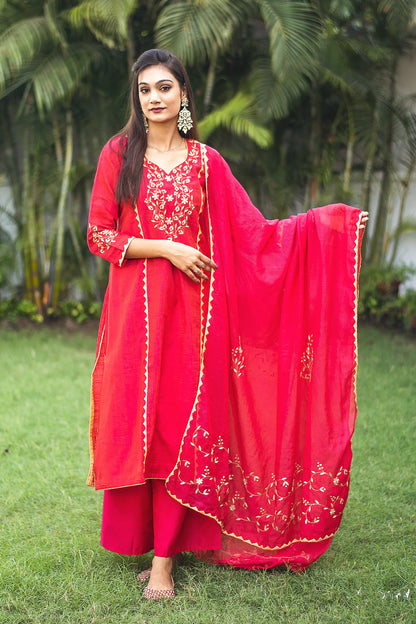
[[144, 575], [158, 594]]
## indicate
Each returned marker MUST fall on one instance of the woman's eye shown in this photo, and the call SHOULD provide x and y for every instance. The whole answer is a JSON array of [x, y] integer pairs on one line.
[[144, 90], [165, 88]]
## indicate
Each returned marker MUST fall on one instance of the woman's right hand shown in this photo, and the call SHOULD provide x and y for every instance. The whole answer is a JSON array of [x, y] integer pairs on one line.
[[189, 260]]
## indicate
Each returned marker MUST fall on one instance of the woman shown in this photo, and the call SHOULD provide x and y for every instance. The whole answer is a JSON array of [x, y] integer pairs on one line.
[[223, 394]]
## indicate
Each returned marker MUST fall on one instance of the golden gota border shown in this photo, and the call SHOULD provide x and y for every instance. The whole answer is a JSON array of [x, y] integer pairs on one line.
[[198, 244], [146, 361], [357, 263], [208, 320], [90, 478]]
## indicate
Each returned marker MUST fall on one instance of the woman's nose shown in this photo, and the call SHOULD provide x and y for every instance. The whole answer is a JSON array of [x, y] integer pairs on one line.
[[154, 96]]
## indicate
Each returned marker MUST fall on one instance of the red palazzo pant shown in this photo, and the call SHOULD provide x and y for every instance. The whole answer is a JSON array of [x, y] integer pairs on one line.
[[145, 517]]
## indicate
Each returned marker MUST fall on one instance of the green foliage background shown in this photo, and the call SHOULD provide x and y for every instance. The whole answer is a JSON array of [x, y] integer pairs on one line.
[[299, 96]]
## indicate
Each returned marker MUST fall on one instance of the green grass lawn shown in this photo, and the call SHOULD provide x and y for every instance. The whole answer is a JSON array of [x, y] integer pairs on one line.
[[53, 570]]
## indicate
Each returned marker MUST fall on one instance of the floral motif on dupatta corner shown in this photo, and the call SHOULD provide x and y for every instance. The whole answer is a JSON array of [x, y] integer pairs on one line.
[[172, 221], [102, 238], [306, 360], [275, 503], [237, 359]]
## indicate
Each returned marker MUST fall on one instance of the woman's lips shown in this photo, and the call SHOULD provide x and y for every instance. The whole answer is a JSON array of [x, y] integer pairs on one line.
[[156, 110]]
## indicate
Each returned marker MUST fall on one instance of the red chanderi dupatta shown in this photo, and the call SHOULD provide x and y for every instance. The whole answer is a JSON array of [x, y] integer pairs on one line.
[[267, 447]]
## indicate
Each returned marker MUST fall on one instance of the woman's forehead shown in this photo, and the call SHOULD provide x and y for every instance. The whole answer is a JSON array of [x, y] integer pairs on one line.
[[155, 74]]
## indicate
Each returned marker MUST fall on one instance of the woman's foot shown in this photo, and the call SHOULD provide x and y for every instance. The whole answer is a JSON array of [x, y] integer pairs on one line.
[[144, 575], [160, 582]]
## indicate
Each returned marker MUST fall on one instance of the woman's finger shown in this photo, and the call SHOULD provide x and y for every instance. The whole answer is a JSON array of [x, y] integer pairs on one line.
[[200, 274], [197, 271], [363, 220], [192, 275], [208, 261]]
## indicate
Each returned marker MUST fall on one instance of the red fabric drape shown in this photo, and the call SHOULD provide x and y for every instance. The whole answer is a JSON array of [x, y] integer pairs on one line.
[[266, 450]]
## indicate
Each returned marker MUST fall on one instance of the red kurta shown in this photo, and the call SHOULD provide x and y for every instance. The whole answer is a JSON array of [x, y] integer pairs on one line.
[[249, 378]]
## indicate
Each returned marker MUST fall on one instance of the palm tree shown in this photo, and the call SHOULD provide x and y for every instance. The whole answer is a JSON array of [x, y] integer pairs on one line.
[[47, 52], [203, 32]]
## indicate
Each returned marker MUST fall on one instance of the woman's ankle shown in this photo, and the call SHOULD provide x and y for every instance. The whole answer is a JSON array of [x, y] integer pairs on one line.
[[162, 563]]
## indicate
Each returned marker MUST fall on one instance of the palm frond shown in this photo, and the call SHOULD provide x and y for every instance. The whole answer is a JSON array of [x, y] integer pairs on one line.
[[276, 95], [19, 45], [239, 117], [407, 226], [400, 14], [371, 51], [57, 77], [193, 29], [106, 19], [18, 10], [294, 30], [55, 24], [342, 9]]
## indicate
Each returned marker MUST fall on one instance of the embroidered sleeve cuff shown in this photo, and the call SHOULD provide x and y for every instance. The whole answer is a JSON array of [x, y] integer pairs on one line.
[[108, 244]]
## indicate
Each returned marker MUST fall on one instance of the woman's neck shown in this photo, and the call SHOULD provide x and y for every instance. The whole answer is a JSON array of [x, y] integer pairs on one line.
[[164, 139]]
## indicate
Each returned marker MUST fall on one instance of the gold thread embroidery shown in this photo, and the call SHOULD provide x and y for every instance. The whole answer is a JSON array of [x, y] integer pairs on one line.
[[284, 503], [307, 360], [237, 359], [103, 238], [174, 223]]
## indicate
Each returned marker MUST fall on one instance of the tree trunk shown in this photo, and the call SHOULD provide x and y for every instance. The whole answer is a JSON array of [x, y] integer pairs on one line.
[[209, 89], [377, 250], [30, 256], [131, 48], [403, 199], [312, 185], [60, 216], [368, 176], [350, 151]]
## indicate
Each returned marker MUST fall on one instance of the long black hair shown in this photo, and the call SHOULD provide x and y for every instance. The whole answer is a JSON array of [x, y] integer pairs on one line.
[[133, 137]]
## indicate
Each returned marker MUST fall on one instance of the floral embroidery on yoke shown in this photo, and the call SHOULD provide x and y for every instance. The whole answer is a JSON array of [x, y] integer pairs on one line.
[[170, 195], [103, 238]]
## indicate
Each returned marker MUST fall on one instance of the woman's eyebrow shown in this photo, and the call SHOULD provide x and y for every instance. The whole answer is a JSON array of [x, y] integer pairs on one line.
[[158, 82]]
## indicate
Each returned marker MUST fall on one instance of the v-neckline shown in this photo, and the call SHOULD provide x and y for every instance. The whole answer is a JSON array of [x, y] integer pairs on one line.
[[167, 173]]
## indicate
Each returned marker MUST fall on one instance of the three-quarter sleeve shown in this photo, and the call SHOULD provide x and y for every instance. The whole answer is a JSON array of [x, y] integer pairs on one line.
[[104, 238]]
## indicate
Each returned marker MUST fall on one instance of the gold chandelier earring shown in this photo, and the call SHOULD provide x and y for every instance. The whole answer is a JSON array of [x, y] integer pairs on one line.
[[146, 124], [185, 122]]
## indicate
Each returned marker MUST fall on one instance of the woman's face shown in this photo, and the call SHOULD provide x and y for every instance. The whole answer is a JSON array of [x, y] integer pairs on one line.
[[160, 94]]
